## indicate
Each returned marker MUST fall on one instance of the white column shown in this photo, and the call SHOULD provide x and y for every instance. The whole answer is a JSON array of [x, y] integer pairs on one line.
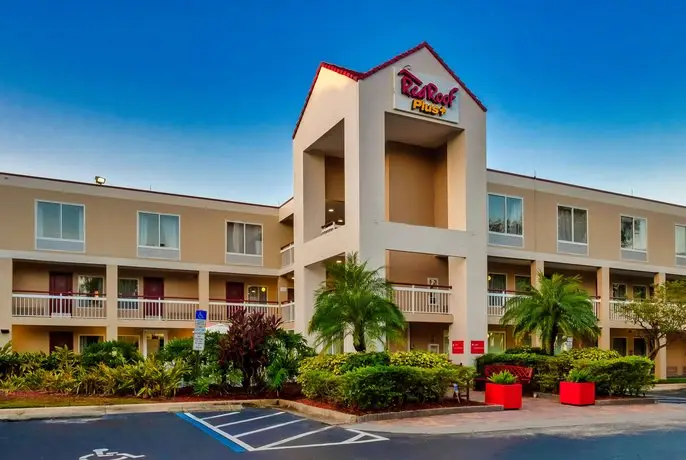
[[111, 302], [307, 281], [603, 285], [6, 280], [661, 359], [468, 304]]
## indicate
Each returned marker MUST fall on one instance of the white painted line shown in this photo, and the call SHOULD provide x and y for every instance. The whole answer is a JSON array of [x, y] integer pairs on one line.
[[250, 419], [354, 438], [380, 438], [221, 415], [293, 438], [319, 445], [269, 428], [247, 447]]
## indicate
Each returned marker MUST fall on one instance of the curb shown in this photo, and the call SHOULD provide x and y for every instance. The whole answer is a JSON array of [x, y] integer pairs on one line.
[[427, 413], [323, 415], [42, 413], [626, 402], [669, 386]]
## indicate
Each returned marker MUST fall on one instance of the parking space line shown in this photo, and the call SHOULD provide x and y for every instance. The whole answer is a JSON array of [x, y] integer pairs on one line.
[[232, 443], [293, 438], [354, 438], [377, 437], [299, 446], [271, 427], [249, 420], [220, 415]]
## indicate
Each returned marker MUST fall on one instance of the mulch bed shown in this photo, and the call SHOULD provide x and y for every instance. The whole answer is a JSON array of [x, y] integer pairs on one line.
[[405, 407]]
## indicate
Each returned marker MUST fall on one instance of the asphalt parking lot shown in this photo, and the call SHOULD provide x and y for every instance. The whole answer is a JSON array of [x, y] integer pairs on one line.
[[272, 434], [670, 396]]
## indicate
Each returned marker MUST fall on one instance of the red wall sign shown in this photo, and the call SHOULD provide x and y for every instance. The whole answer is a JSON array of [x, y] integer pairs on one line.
[[426, 97], [458, 347], [478, 347]]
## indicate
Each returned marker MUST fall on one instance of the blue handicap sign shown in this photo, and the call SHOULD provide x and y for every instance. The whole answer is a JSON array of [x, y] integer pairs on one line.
[[201, 314]]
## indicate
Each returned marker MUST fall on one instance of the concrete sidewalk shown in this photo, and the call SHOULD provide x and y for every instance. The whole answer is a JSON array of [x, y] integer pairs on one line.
[[537, 415]]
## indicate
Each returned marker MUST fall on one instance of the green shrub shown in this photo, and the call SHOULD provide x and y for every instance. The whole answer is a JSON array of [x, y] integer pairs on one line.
[[630, 375], [322, 385], [517, 359], [525, 349], [503, 378], [579, 376], [112, 353], [345, 362], [421, 359], [593, 354], [177, 349]]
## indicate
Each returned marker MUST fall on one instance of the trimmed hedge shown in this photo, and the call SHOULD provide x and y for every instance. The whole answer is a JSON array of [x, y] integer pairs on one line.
[[381, 387], [613, 374], [347, 362]]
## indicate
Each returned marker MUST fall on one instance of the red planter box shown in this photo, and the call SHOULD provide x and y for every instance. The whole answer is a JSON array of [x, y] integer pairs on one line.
[[508, 396], [577, 394]]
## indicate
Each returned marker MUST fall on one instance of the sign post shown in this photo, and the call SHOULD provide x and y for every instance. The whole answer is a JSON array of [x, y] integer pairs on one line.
[[200, 330]]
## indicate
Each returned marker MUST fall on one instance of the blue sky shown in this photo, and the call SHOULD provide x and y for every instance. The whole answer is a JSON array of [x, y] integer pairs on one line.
[[202, 97]]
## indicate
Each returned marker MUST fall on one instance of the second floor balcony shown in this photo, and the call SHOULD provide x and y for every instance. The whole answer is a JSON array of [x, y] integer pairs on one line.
[[496, 301], [423, 299], [37, 304]]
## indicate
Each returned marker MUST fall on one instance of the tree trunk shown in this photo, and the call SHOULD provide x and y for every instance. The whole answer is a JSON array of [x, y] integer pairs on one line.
[[359, 342], [654, 345], [551, 342]]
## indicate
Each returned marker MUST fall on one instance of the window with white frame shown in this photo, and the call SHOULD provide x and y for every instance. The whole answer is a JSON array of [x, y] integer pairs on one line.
[[505, 214], [680, 243], [257, 294], [158, 230], [572, 225], [634, 232], [522, 283], [242, 238], [60, 222], [91, 286], [640, 292], [127, 288], [618, 291], [86, 340], [497, 282]]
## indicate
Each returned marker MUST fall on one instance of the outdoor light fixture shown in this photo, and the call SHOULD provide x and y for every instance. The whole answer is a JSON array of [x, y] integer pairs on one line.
[[330, 209], [340, 221], [100, 180], [4, 331]]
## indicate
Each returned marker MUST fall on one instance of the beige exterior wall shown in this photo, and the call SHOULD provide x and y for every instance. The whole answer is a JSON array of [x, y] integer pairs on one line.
[[37, 338], [218, 286], [413, 268]]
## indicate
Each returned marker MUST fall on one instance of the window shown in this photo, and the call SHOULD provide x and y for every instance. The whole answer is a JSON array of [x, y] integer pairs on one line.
[[505, 214], [640, 292], [127, 288], [85, 340], [680, 234], [618, 291], [640, 346], [243, 238], [522, 283], [572, 225], [619, 345], [496, 342], [60, 226], [497, 282], [158, 230], [91, 286], [257, 294], [634, 233]]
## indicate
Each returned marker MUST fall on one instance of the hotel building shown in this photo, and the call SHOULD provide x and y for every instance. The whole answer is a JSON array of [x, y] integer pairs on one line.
[[390, 163]]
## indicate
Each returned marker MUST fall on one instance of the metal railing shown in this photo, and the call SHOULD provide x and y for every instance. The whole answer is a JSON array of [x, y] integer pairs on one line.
[[422, 299], [330, 227], [156, 309], [288, 312], [287, 255], [222, 310], [496, 302], [44, 305]]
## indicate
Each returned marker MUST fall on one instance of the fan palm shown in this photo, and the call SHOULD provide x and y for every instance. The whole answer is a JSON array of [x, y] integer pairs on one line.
[[357, 301], [559, 306]]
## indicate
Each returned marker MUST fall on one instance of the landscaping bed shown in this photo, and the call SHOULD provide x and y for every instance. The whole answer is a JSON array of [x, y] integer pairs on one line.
[[447, 403]]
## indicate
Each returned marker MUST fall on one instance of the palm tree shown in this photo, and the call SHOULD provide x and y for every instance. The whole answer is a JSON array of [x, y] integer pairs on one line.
[[558, 307], [357, 301]]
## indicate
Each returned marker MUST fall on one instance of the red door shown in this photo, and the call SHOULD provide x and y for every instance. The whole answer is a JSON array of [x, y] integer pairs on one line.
[[153, 289], [60, 285], [61, 339], [235, 296]]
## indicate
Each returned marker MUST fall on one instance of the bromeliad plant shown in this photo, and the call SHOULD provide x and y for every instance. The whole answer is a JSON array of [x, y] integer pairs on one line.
[[579, 376], [503, 378]]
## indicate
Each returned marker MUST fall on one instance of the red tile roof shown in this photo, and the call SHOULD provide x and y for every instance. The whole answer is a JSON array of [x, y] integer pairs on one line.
[[357, 76]]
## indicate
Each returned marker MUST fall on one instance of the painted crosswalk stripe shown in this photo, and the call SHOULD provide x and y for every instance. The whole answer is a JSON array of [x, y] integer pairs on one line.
[[249, 420], [220, 415], [271, 427]]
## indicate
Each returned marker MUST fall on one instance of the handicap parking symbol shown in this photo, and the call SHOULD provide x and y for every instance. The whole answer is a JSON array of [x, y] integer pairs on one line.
[[106, 453]]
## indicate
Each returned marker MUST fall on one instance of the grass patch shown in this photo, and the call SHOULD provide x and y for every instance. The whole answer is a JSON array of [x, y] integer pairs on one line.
[[673, 380]]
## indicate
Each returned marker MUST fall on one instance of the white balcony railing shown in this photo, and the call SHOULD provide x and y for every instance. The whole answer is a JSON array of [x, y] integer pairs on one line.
[[79, 306], [287, 255], [154, 309], [330, 227], [497, 301], [422, 299], [596, 307], [221, 310], [616, 313], [288, 312]]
